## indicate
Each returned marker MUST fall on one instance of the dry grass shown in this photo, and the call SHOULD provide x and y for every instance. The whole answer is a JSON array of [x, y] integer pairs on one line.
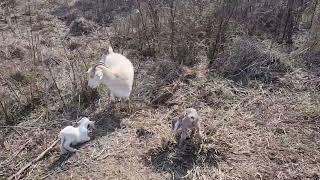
[[257, 130], [248, 59]]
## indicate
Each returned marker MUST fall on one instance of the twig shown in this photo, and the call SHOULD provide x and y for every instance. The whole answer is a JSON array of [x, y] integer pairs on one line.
[[98, 155], [32, 40], [43, 113], [18, 174], [22, 127], [16, 154], [55, 83], [12, 90], [74, 82], [172, 26], [167, 114], [82, 59], [112, 154], [5, 111]]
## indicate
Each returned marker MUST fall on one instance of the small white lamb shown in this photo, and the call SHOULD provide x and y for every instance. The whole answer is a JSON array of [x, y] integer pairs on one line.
[[188, 120], [73, 135], [116, 72]]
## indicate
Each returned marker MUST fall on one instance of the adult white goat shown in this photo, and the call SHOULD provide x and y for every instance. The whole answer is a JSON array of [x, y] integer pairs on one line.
[[116, 72], [73, 135], [188, 120]]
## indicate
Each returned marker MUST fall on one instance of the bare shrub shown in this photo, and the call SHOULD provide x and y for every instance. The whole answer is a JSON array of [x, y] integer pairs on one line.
[[8, 3], [166, 29], [274, 19], [81, 27], [102, 11], [312, 60], [247, 59], [187, 54], [65, 14], [168, 71], [20, 111], [13, 51], [20, 77]]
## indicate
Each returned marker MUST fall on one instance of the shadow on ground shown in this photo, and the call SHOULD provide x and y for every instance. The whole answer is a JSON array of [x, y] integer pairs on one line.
[[61, 162], [179, 160], [106, 122], [63, 159]]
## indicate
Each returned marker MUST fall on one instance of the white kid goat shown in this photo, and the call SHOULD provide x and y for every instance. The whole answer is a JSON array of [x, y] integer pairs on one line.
[[73, 135], [188, 120], [116, 72]]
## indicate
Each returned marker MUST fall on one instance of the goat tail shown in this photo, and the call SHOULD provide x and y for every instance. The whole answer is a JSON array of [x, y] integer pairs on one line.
[[110, 50]]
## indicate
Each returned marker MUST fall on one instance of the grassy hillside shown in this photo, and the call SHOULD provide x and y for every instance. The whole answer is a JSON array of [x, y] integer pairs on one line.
[[250, 68]]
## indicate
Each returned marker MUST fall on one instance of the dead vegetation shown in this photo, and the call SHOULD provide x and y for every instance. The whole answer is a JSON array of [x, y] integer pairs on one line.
[[251, 69], [247, 59]]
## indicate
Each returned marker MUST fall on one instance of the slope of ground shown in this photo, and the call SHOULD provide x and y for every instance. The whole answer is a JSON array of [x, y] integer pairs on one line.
[[255, 130]]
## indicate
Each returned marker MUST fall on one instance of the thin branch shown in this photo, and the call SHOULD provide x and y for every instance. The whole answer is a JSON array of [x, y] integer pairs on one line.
[[55, 83], [18, 174], [4, 110], [31, 32]]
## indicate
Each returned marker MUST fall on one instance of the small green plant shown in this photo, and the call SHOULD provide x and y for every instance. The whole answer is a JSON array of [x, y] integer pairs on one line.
[[311, 111]]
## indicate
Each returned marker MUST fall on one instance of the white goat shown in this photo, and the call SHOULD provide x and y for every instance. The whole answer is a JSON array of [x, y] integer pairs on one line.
[[116, 72], [188, 120], [73, 135]]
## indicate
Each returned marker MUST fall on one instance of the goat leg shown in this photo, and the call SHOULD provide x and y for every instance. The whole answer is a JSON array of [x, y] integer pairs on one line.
[[69, 148], [112, 97], [199, 131], [128, 101], [112, 100], [63, 150], [183, 137]]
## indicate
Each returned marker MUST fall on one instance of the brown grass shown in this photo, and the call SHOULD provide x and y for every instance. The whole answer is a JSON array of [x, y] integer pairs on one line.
[[261, 129]]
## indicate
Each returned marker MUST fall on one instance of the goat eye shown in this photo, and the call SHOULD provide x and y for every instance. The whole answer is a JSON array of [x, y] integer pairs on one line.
[[192, 117]]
